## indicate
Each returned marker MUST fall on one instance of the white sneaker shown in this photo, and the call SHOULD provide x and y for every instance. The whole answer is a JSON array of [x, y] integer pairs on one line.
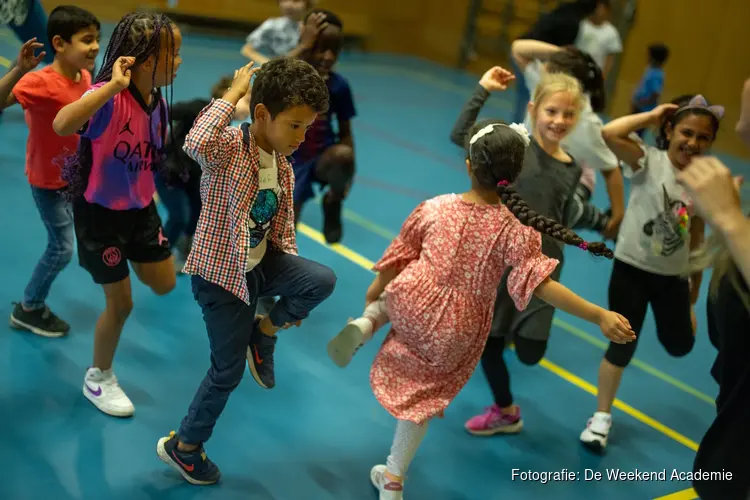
[[102, 389], [595, 435], [389, 490]]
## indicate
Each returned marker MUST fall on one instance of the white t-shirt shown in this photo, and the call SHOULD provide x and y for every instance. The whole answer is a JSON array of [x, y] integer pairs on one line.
[[585, 142], [264, 208], [598, 41], [653, 237]]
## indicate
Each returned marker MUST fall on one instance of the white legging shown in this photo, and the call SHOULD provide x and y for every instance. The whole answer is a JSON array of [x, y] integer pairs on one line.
[[405, 445]]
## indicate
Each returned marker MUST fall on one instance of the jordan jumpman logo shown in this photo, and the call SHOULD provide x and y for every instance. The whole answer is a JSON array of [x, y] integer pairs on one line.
[[126, 128]]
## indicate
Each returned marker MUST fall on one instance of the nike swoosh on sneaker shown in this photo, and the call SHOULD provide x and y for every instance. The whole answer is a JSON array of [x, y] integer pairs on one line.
[[188, 468], [97, 392]]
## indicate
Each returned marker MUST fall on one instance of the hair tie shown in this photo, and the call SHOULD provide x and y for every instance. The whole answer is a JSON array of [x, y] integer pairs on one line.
[[584, 246], [502, 183]]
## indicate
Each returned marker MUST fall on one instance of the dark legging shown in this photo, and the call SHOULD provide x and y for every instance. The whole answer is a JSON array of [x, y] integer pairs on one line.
[[631, 290], [529, 352], [35, 26], [183, 204]]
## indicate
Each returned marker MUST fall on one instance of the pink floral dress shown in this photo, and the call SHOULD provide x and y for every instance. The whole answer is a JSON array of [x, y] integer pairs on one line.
[[452, 254]]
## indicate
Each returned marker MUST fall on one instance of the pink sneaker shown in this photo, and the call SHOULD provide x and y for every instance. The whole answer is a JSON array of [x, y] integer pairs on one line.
[[494, 421]]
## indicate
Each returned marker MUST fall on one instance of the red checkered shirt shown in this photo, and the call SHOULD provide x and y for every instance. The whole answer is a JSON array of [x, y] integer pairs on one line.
[[229, 186]]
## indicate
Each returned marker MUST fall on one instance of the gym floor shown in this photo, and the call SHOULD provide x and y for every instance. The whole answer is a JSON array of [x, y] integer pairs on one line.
[[317, 434]]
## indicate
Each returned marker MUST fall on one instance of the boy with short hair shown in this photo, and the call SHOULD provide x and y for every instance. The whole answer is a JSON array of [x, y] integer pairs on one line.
[[327, 156], [73, 34], [245, 245]]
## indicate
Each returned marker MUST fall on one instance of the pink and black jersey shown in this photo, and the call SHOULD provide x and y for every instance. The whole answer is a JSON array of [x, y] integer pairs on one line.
[[125, 144]]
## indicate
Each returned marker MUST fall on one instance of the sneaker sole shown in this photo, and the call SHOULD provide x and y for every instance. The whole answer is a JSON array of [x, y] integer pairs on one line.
[[507, 429], [20, 325], [161, 452], [253, 369], [111, 413], [596, 446], [341, 348]]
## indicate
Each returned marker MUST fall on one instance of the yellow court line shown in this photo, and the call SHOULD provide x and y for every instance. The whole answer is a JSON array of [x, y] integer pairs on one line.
[[573, 330], [367, 264], [688, 494], [5, 62]]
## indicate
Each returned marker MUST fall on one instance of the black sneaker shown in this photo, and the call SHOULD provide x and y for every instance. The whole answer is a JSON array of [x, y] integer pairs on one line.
[[260, 357], [332, 229], [39, 321], [194, 466]]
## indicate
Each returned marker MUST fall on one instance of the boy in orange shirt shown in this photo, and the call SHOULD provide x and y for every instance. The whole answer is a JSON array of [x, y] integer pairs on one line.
[[73, 34]]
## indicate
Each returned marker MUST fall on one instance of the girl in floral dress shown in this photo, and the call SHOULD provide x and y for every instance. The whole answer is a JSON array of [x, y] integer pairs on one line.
[[437, 283]]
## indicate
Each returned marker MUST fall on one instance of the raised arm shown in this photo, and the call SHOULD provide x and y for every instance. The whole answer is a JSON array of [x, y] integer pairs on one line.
[[75, 115], [743, 125], [617, 133], [494, 79], [26, 62], [526, 51], [211, 140]]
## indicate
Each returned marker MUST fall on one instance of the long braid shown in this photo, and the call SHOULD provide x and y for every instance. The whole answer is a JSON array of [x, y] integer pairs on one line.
[[137, 35], [546, 225]]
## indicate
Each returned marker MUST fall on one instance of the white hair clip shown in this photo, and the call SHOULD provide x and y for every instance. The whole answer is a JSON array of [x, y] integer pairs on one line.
[[518, 128]]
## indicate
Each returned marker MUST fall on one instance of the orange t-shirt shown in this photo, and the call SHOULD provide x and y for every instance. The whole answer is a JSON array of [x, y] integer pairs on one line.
[[42, 94]]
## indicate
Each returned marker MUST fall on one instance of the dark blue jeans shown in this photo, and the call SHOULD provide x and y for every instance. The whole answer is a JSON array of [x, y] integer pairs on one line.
[[302, 285], [183, 204], [35, 26], [57, 216]]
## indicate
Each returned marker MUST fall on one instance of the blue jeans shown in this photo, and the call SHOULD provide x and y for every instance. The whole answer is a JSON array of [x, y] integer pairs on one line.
[[57, 217], [183, 204], [35, 26], [302, 285]]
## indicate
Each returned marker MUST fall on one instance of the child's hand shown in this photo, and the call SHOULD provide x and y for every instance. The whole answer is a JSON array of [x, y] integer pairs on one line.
[[26, 59], [312, 28], [121, 71], [496, 78], [616, 328], [241, 84], [661, 112]]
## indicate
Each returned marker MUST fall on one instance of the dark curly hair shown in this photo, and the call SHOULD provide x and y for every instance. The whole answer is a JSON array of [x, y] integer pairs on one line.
[[672, 120], [496, 160], [286, 82], [581, 66]]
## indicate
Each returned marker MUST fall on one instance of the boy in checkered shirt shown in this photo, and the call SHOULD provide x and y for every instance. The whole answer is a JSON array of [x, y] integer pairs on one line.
[[245, 245]]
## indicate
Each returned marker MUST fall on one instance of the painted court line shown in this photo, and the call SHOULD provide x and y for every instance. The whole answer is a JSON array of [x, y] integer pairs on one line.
[[573, 330], [688, 494], [367, 264]]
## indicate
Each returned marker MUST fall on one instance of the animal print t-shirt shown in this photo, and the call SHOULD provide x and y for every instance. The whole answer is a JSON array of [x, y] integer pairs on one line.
[[655, 233], [264, 208]]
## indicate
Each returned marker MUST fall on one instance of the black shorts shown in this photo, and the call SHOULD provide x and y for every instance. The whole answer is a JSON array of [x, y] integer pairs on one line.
[[108, 239]]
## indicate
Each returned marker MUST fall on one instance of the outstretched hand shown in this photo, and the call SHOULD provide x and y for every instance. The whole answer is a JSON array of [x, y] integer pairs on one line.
[[27, 60], [616, 328]]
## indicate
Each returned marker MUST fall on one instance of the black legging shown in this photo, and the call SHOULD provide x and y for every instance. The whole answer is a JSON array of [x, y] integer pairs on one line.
[[529, 352], [631, 290]]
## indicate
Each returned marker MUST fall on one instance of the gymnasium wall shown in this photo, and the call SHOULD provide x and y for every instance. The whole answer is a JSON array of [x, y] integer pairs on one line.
[[710, 41], [710, 54]]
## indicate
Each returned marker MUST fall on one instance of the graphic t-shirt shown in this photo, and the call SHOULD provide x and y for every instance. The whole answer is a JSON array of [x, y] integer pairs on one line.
[[264, 208], [321, 134], [42, 94], [124, 145], [655, 233]]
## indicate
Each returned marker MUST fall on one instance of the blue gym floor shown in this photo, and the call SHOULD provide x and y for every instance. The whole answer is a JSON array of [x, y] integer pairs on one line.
[[318, 433]]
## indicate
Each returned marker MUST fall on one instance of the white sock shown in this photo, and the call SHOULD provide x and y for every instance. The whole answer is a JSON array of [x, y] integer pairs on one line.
[[405, 445], [377, 313]]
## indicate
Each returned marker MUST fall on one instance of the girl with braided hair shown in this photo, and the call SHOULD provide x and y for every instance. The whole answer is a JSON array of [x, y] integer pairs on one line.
[[437, 284], [122, 124]]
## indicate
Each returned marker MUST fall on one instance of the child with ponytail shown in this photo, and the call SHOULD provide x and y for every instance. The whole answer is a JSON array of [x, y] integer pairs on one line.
[[122, 124], [437, 283]]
